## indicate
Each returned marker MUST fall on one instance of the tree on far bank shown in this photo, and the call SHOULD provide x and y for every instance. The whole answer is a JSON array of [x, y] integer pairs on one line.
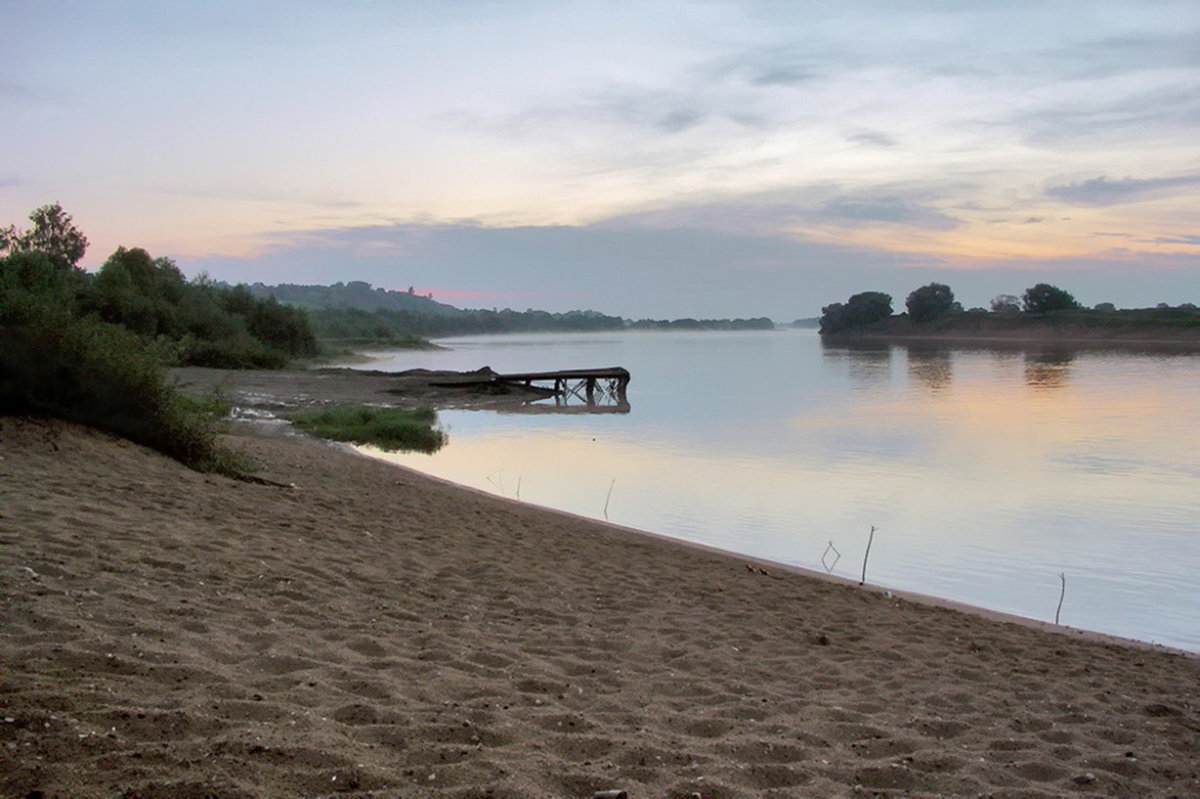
[[861, 309], [930, 302], [53, 234], [1005, 303], [1044, 298]]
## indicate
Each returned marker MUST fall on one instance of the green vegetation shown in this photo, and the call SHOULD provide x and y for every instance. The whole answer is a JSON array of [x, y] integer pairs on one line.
[[757, 323], [202, 323], [355, 313], [356, 294], [930, 302], [386, 428], [91, 348], [861, 309], [1044, 298], [194, 323], [410, 328], [58, 362], [932, 310]]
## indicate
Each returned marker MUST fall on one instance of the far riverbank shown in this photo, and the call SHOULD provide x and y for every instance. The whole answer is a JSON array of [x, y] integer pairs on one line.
[[1073, 328]]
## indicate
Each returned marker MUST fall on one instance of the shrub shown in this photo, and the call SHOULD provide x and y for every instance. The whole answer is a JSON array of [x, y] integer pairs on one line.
[[81, 368]]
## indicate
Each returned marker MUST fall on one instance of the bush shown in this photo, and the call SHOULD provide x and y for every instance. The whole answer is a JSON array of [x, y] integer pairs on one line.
[[56, 362], [387, 428], [99, 374], [860, 309]]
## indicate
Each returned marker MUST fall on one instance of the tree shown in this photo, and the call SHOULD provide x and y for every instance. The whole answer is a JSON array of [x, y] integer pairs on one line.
[[930, 302], [860, 309], [1005, 303], [1106, 307], [1044, 298], [53, 233]]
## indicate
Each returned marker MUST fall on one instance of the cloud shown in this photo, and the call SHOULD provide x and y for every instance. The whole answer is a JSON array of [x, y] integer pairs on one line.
[[857, 211], [1113, 113], [1103, 191], [777, 211], [1033, 220], [10, 182], [772, 67], [872, 138], [1108, 56], [1191, 241]]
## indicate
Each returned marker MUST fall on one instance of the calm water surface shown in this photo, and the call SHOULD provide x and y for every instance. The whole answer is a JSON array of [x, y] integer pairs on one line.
[[987, 473]]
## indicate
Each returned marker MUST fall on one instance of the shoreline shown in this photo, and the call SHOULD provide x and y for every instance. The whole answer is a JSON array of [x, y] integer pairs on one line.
[[991, 330], [799, 571], [373, 631], [275, 392]]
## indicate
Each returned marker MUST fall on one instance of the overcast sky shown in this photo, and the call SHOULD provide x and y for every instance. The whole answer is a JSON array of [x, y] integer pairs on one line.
[[654, 158]]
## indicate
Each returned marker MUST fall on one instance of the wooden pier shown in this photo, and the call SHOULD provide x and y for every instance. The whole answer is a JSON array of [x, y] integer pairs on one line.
[[577, 389]]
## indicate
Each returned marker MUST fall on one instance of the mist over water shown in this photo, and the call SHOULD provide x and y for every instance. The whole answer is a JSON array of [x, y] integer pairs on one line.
[[986, 471]]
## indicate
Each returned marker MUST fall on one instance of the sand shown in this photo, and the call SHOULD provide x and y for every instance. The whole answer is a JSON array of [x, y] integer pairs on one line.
[[348, 628]]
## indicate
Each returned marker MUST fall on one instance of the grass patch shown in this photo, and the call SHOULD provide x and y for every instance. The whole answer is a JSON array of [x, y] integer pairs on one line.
[[387, 428]]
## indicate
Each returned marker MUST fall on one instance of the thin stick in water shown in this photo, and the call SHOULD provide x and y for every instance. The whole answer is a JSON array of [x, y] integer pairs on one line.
[[866, 555], [836, 557], [607, 498], [1062, 578]]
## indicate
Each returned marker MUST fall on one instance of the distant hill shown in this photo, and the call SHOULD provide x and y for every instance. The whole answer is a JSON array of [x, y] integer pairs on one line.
[[358, 313], [357, 295]]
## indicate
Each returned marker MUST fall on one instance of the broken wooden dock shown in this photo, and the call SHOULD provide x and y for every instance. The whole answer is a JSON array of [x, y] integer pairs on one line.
[[581, 388]]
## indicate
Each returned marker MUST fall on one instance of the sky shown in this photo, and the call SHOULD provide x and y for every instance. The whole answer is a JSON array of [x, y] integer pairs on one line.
[[661, 158]]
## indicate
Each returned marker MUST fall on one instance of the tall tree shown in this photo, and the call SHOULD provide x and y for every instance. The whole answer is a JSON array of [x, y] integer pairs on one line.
[[930, 302], [1043, 298], [861, 309], [53, 233]]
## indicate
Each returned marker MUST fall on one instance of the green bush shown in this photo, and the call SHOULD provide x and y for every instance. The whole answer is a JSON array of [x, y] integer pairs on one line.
[[57, 363], [386, 428]]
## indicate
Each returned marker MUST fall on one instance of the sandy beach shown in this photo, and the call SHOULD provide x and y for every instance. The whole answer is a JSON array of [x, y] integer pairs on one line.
[[348, 628]]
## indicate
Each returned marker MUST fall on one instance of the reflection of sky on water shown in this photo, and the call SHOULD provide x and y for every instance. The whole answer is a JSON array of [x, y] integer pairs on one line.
[[987, 473]]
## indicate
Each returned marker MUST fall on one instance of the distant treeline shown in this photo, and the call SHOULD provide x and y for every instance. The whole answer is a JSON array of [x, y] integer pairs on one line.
[[382, 326], [759, 323], [356, 312], [932, 308], [355, 294]]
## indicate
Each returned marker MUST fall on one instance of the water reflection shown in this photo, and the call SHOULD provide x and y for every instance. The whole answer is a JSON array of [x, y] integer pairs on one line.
[[1049, 369], [931, 367], [561, 405], [866, 362]]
